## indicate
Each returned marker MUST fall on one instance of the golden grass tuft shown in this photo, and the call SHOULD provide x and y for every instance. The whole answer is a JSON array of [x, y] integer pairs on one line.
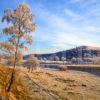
[[18, 90]]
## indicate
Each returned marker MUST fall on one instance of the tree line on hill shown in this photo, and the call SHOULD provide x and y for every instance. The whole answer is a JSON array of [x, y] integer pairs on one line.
[[78, 55]]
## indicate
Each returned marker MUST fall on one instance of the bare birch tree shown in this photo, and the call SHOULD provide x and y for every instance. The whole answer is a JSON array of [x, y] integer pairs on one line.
[[20, 24]]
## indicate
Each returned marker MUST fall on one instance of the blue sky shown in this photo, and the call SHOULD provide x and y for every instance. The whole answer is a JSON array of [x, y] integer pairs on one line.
[[61, 24]]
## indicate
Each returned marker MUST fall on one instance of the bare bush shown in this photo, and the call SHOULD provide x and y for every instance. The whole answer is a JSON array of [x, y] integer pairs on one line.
[[96, 61], [62, 68], [56, 58], [63, 59], [10, 60], [31, 63]]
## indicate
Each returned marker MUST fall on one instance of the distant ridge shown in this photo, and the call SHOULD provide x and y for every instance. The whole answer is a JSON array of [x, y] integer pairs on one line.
[[89, 47], [78, 52]]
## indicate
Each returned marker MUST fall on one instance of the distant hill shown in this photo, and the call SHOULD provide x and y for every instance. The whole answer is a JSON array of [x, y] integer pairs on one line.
[[78, 52]]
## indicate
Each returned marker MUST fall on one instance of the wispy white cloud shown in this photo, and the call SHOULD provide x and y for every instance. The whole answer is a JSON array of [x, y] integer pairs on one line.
[[74, 28], [74, 16]]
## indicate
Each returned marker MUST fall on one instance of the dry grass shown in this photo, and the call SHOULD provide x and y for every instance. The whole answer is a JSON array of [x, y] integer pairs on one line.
[[4, 76], [18, 90], [68, 85]]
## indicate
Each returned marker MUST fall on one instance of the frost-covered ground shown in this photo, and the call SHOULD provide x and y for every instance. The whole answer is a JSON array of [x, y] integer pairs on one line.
[[67, 85], [46, 84]]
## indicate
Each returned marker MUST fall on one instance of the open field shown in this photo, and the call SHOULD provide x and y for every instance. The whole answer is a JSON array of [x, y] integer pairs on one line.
[[45, 84], [69, 85]]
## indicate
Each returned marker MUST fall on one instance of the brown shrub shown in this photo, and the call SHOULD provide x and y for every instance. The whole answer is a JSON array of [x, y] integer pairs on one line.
[[62, 68], [31, 63]]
